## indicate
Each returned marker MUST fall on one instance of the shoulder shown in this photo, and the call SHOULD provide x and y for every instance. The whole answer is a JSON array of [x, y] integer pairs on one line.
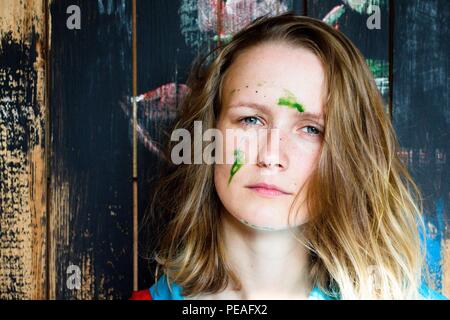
[[429, 294], [425, 293], [162, 291], [159, 291], [317, 294]]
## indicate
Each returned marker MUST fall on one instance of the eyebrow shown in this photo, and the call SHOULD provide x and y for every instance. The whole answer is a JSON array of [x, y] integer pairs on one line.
[[263, 107]]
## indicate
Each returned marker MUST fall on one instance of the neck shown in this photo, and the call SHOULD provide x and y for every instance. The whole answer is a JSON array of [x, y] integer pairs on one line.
[[269, 264]]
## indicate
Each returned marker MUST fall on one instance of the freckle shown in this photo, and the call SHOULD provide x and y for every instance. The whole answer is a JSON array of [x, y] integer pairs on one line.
[[246, 86]]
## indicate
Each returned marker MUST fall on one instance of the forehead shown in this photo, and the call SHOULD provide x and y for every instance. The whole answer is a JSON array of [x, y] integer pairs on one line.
[[266, 72]]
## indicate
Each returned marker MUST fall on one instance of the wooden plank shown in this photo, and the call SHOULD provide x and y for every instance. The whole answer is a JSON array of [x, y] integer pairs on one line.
[[422, 115], [91, 192], [171, 34], [352, 17], [22, 150], [446, 267], [162, 64]]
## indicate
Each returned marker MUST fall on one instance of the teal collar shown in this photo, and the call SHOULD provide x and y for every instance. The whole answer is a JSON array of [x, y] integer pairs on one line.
[[161, 291]]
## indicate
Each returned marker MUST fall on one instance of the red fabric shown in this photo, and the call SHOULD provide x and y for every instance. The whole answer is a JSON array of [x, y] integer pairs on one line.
[[141, 295]]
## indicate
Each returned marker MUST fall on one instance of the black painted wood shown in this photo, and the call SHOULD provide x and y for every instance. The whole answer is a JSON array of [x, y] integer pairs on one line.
[[163, 62], [421, 82], [91, 209], [352, 20]]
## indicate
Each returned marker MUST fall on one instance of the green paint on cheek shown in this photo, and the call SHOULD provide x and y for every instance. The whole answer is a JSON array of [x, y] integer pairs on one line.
[[238, 163], [290, 101]]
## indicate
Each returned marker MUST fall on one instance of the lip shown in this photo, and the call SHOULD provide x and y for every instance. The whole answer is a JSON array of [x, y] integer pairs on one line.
[[266, 189]]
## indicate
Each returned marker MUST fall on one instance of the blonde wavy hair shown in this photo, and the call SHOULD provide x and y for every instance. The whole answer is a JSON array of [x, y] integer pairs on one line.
[[364, 208]]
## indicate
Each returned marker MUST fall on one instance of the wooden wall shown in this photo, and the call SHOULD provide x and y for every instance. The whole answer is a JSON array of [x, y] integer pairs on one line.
[[90, 182], [66, 131], [23, 140]]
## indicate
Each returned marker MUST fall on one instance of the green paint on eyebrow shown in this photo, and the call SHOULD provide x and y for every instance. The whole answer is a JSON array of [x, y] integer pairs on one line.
[[290, 101], [238, 163]]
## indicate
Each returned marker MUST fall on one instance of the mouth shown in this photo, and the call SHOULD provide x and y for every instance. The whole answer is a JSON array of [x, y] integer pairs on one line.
[[267, 190]]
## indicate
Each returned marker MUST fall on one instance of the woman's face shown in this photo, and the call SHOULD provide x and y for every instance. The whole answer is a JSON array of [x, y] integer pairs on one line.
[[279, 87]]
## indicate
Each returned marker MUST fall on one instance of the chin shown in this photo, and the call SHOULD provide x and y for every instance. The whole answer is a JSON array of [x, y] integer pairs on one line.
[[263, 217], [267, 218]]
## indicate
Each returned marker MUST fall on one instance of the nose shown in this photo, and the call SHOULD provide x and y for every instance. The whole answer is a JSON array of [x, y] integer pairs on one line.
[[270, 154]]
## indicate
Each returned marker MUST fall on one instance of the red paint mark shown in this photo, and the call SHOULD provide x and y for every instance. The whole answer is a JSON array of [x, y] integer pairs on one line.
[[162, 102], [154, 107], [228, 17], [219, 21]]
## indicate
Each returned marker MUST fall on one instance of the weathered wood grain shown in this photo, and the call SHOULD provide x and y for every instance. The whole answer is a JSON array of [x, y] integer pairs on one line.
[[22, 150], [91, 194], [446, 268]]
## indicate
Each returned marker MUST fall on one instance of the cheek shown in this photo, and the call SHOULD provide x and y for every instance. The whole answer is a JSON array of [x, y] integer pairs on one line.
[[306, 147], [303, 160], [238, 150]]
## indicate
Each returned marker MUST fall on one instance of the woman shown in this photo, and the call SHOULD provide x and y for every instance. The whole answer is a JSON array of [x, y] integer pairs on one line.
[[324, 209]]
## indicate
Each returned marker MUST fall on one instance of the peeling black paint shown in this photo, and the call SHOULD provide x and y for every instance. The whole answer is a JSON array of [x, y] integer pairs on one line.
[[18, 93]]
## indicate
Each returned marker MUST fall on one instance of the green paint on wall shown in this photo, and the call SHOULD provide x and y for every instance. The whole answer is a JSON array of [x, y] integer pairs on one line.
[[380, 71]]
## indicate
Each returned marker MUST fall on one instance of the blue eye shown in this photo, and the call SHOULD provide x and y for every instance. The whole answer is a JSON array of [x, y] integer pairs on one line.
[[251, 122], [311, 130]]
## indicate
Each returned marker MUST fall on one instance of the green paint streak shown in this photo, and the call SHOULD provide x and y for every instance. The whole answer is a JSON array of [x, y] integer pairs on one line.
[[380, 71], [379, 68], [362, 6], [225, 38], [238, 163], [333, 16], [290, 101], [255, 226]]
